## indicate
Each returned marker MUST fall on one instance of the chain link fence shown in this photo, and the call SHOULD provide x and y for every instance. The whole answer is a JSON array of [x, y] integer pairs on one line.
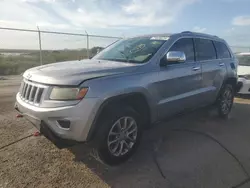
[[21, 49], [239, 49]]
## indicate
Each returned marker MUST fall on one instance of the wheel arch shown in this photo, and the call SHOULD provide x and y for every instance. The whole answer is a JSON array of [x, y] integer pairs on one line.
[[229, 80], [136, 100], [232, 81]]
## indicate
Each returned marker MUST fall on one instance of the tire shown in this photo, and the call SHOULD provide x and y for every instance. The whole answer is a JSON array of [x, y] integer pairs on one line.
[[108, 142], [225, 101]]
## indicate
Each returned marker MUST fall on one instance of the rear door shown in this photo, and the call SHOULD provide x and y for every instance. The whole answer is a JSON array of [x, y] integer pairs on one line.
[[179, 83], [225, 57], [213, 69]]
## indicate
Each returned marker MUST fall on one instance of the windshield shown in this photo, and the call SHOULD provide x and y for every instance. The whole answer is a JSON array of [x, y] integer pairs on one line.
[[134, 50], [244, 60]]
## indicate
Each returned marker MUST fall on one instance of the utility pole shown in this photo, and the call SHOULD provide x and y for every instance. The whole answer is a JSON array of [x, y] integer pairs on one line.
[[87, 43], [40, 45]]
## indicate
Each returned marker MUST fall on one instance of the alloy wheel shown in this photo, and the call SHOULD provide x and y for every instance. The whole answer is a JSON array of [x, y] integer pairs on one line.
[[226, 101], [122, 136]]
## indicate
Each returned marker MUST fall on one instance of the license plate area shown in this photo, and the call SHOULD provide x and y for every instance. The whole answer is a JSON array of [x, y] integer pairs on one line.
[[34, 121]]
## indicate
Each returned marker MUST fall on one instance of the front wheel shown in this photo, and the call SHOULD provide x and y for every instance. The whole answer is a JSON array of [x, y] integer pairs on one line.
[[225, 101], [119, 135]]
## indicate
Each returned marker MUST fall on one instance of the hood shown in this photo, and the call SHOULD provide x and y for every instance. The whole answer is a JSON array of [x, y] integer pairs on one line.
[[75, 72], [243, 70]]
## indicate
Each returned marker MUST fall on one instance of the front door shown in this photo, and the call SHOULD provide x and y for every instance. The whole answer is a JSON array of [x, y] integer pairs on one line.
[[179, 84]]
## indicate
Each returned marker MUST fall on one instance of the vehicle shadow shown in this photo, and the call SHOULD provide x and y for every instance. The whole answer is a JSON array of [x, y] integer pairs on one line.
[[144, 169]]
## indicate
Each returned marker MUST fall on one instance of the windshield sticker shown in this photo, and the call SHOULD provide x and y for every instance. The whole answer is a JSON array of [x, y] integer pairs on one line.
[[137, 48], [159, 38], [156, 42]]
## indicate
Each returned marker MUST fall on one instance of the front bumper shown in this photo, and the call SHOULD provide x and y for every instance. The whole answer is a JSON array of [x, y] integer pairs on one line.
[[81, 117], [50, 135], [243, 86]]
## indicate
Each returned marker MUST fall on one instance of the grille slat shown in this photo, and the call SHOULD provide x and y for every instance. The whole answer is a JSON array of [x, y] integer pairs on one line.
[[30, 95], [27, 92], [22, 89], [31, 92], [39, 96], [37, 91]]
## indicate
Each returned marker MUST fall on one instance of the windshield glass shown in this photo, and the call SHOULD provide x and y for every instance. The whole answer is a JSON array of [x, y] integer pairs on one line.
[[133, 50], [244, 60]]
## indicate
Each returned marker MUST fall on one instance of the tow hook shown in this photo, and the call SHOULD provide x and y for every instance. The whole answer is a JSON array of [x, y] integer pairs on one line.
[[19, 116], [37, 133]]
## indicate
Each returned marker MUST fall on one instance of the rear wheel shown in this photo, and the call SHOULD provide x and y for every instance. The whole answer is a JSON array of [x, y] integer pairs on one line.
[[225, 101], [118, 136]]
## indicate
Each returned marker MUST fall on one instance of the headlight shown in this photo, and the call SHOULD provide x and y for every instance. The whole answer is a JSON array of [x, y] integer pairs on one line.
[[68, 93], [245, 76]]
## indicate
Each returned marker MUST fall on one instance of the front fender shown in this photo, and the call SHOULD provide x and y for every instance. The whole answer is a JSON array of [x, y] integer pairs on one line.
[[116, 99]]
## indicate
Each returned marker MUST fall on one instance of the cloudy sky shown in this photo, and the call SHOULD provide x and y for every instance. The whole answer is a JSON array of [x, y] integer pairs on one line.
[[226, 18]]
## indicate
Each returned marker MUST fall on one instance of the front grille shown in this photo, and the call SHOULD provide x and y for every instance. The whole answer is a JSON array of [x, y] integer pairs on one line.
[[31, 92]]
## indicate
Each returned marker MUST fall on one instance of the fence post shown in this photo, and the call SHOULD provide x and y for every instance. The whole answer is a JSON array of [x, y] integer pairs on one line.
[[87, 43], [40, 45]]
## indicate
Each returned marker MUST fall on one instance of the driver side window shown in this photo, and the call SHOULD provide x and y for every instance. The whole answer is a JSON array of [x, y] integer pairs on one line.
[[185, 45]]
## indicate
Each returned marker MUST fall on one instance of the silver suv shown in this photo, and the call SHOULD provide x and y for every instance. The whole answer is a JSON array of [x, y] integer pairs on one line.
[[108, 100]]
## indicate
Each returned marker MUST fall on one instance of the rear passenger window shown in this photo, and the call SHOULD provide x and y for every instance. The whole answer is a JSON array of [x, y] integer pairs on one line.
[[222, 50], [204, 49], [185, 45]]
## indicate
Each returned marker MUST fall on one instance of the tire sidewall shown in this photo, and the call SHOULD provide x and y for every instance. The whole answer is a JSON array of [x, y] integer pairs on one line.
[[219, 104], [102, 147]]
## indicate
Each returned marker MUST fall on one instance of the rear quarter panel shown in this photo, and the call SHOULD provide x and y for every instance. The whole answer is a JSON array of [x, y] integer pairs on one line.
[[232, 64]]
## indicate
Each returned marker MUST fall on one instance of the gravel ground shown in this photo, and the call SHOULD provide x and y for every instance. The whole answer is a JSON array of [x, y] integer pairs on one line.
[[195, 150]]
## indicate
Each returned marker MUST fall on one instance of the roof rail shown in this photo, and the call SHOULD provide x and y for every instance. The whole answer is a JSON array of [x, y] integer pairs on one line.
[[187, 32]]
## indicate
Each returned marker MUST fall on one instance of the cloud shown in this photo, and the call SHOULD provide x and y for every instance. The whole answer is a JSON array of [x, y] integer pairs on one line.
[[199, 29], [241, 21], [94, 13], [35, 1], [79, 10], [132, 13], [79, 15], [25, 15], [233, 1], [237, 36], [230, 30]]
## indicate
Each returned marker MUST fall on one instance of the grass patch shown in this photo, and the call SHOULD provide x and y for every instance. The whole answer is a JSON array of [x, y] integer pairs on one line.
[[16, 62]]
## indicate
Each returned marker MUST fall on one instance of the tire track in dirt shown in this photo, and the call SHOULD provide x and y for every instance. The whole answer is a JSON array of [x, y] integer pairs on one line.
[[11, 128]]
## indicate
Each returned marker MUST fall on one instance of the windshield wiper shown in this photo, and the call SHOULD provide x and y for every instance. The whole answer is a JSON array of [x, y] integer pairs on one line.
[[124, 55]]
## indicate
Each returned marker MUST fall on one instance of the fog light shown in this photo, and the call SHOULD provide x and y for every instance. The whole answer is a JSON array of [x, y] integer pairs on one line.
[[64, 123]]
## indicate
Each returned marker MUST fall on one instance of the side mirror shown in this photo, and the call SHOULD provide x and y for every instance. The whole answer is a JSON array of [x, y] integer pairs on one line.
[[173, 57]]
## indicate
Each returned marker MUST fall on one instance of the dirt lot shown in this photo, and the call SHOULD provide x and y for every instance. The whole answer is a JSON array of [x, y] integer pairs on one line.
[[195, 150]]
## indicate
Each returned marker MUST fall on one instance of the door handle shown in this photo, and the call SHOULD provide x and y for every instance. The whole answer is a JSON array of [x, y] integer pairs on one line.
[[196, 68], [221, 64]]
